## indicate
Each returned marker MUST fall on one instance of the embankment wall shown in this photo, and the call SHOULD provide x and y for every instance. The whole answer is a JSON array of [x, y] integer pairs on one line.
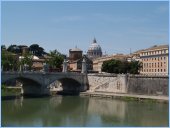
[[131, 84]]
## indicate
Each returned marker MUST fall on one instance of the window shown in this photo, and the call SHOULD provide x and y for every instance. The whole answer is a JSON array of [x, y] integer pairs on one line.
[[158, 70], [161, 70]]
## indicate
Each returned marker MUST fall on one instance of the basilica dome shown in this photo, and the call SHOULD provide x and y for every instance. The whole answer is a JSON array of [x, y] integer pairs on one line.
[[94, 50]]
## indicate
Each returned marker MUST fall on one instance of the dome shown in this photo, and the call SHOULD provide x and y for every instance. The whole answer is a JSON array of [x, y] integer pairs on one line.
[[94, 50], [94, 46]]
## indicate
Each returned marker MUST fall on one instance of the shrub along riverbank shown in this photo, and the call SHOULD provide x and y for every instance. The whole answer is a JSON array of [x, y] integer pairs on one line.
[[9, 91]]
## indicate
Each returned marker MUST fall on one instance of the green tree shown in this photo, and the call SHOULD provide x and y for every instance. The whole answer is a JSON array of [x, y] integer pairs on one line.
[[3, 47], [14, 49], [36, 50], [135, 67], [27, 59], [9, 60], [117, 66], [56, 59]]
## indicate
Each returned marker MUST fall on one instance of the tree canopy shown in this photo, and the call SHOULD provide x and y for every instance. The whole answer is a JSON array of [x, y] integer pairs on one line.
[[27, 59], [56, 59], [35, 49], [117, 66], [9, 61]]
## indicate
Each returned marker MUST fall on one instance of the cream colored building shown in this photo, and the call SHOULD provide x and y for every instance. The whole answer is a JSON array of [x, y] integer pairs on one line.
[[155, 60], [97, 63]]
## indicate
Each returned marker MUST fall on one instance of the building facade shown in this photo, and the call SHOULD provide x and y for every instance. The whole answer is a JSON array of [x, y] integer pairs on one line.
[[155, 60], [75, 60], [97, 63], [75, 54]]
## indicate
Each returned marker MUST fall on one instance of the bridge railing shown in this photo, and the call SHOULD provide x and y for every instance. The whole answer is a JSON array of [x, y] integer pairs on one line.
[[89, 74], [40, 72], [129, 75]]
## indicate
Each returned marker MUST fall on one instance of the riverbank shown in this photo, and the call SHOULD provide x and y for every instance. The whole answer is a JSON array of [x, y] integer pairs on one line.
[[10, 91], [124, 96]]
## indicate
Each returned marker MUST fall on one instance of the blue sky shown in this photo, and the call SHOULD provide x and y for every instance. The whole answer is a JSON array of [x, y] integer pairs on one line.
[[117, 26]]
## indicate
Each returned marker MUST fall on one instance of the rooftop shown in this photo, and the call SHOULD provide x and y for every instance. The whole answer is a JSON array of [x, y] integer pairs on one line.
[[75, 49]]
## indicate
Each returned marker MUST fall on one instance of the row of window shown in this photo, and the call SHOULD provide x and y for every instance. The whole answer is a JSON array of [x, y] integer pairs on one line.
[[154, 70], [155, 52], [146, 65], [155, 58]]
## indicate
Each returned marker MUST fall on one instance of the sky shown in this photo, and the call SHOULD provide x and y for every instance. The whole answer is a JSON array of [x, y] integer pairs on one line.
[[119, 27]]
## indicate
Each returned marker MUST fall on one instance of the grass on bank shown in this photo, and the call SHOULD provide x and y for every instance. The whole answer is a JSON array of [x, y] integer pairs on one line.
[[9, 91]]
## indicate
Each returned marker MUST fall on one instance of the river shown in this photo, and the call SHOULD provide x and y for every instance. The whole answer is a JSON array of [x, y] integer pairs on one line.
[[81, 111]]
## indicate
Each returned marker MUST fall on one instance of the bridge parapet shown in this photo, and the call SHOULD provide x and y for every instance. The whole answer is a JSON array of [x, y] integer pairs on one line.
[[46, 78]]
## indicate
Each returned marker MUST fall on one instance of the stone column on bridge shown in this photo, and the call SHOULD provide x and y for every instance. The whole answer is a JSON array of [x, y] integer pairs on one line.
[[65, 66], [45, 67], [25, 67], [84, 69], [20, 68]]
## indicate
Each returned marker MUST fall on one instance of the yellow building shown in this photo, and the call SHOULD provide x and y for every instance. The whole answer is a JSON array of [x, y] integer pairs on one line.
[[155, 60], [97, 63]]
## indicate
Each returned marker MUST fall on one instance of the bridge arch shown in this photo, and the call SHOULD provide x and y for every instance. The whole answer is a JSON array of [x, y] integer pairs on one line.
[[28, 86], [69, 85]]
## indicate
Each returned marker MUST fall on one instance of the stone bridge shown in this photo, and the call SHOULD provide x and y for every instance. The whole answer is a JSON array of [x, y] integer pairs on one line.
[[37, 83]]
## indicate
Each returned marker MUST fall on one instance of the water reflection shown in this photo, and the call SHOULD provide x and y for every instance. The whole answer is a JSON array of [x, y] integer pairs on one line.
[[82, 111]]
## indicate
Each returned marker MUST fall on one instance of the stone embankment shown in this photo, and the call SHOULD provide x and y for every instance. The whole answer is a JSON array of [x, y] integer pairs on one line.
[[124, 96], [130, 86]]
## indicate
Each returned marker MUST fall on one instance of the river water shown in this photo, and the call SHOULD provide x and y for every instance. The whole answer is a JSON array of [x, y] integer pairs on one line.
[[81, 111]]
